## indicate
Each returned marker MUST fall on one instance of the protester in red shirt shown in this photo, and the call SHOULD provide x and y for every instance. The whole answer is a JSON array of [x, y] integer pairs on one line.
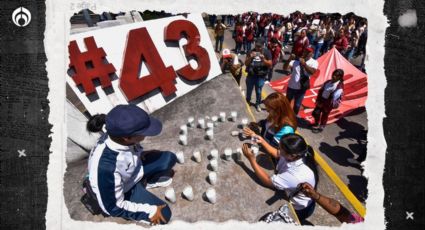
[[238, 37], [249, 36], [300, 45], [275, 48], [341, 42]]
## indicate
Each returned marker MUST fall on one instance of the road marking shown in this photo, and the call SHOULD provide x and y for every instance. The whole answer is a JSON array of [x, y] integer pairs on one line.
[[357, 205]]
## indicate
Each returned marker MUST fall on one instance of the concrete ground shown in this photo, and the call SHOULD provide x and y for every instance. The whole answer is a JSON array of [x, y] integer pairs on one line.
[[240, 195]]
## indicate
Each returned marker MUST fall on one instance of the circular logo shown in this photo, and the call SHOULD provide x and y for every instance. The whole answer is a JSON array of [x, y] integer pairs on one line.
[[21, 17]]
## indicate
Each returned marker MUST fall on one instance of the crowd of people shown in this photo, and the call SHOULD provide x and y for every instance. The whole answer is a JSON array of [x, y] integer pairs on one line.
[[306, 36], [347, 33]]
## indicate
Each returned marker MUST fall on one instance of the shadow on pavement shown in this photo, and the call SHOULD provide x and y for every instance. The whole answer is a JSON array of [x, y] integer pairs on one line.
[[358, 185], [339, 155], [355, 132]]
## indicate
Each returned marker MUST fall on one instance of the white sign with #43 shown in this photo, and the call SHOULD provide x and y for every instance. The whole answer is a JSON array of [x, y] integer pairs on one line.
[[147, 63]]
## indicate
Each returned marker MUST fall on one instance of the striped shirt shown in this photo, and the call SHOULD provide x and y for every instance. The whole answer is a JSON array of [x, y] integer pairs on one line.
[[113, 170]]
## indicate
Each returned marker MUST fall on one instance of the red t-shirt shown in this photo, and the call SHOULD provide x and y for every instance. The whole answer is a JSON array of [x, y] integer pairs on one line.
[[299, 46], [341, 43]]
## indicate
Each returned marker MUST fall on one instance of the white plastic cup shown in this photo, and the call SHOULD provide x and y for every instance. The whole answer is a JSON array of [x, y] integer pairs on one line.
[[214, 165], [201, 123], [210, 134], [211, 195], [222, 116], [188, 193], [214, 154], [228, 154], [210, 125], [180, 157], [214, 119], [170, 195], [197, 156], [183, 129], [212, 178], [238, 153], [190, 121], [233, 115], [255, 150], [244, 121], [183, 139]]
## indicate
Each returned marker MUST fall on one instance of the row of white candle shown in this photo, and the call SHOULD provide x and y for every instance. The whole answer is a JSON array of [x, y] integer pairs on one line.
[[170, 194]]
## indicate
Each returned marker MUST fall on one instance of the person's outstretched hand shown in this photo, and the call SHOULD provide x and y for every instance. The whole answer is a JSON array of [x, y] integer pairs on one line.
[[158, 217], [247, 152], [248, 132]]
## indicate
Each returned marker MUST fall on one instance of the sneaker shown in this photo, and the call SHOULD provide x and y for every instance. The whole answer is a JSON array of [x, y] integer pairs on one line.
[[258, 108], [162, 181], [267, 82]]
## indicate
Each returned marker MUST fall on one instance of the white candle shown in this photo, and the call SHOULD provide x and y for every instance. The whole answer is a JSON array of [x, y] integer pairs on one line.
[[188, 193], [214, 164], [197, 156], [212, 178], [183, 129], [211, 195], [222, 116], [190, 121], [183, 139], [214, 154], [234, 115], [228, 153], [180, 157], [210, 134], [170, 194], [201, 123]]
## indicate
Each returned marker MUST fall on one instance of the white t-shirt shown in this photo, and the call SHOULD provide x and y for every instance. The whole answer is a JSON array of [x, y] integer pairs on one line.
[[289, 176], [294, 81]]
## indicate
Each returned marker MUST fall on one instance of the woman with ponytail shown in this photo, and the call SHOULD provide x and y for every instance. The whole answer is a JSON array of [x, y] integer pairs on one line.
[[295, 165], [119, 168]]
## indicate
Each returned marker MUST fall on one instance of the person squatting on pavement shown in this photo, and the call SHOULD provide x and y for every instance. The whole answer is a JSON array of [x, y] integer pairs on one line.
[[280, 121], [302, 69], [118, 166], [295, 165], [328, 98], [231, 62], [258, 64]]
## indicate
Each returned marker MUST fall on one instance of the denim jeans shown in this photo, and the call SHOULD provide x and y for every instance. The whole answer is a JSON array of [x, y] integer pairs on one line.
[[317, 49], [219, 39], [257, 82], [154, 164], [298, 96], [350, 53], [238, 47], [306, 212]]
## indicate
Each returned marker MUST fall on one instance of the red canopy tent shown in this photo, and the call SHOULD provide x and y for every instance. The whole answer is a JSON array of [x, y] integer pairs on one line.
[[355, 86]]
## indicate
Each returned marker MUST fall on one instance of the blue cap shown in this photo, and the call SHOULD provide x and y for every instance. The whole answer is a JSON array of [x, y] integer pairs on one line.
[[130, 120]]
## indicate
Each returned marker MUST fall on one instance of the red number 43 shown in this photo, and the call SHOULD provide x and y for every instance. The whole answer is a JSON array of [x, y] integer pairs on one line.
[[140, 47]]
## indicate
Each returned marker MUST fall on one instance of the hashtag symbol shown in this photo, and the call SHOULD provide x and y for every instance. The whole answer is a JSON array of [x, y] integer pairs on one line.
[[90, 65]]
